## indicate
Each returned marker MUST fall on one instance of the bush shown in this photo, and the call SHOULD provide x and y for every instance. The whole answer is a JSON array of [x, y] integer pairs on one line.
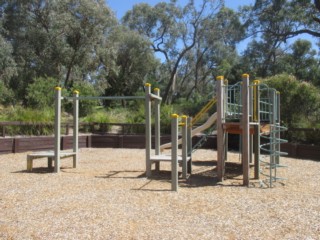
[[6, 95], [299, 101], [86, 107], [27, 115], [40, 93]]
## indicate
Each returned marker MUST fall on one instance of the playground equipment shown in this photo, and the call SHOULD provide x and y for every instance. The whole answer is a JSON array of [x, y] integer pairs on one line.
[[252, 110], [210, 121], [156, 158], [57, 154]]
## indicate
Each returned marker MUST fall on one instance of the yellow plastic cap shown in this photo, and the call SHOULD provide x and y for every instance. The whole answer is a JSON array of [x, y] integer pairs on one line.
[[278, 92], [256, 81], [245, 75], [156, 89], [220, 78], [57, 88], [147, 85], [184, 116], [76, 92], [174, 115]]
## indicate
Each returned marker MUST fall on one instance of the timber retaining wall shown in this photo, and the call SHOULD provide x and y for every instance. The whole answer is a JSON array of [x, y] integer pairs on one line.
[[25, 144]]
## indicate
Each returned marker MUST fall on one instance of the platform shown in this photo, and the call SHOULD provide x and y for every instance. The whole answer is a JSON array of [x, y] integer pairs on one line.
[[49, 154]]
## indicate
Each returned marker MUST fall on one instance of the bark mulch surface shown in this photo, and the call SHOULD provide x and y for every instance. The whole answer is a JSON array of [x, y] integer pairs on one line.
[[109, 197]]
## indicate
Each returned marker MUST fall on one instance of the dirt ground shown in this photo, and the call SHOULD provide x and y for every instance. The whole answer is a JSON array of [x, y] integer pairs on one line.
[[109, 197]]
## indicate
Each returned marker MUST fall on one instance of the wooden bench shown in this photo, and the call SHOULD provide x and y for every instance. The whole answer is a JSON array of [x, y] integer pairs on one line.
[[50, 155], [168, 158]]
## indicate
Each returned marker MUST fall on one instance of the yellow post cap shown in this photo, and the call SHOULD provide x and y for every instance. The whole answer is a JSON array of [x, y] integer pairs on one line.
[[278, 92], [147, 85], [245, 75], [57, 88], [256, 81], [156, 89], [184, 116], [174, 115], [76, 92], [220, 78]]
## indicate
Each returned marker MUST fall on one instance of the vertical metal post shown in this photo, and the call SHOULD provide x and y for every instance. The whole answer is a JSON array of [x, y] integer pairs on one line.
[[184, 125], [189, 143], [57, 125], [157, 127], [220, 130], [273, 136], [256, 136], [75, 128], [245, 129], [157, 122], [148, 128], [278, 128], [174, 152]]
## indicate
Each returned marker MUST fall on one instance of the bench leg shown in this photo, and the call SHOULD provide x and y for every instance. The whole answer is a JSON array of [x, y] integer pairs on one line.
[[50, 160], [157, 167], [75, 160], [29, 163], [189, 166]]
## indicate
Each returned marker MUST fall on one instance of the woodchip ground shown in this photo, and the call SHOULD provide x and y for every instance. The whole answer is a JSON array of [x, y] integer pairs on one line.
[[108, 197]]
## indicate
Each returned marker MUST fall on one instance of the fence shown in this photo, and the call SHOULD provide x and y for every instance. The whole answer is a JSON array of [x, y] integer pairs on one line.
[[94, 127], [17, 145]]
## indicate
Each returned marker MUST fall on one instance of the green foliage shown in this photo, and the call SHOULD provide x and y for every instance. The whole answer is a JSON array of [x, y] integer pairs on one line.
[[132, 62], [300, 103], [40, 93], [38, 118], [86, 107], [6, 95], [165, 118]]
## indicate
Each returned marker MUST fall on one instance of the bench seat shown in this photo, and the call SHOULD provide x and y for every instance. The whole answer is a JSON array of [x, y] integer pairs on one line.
[[49, 154]]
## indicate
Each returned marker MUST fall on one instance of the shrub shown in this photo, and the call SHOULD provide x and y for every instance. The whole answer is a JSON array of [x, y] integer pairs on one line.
[[40, 93], [86, 107], [6, 95], [33, 116]]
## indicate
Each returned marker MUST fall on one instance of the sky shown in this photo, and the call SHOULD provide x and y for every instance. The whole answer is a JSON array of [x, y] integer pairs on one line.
[[120, 7]]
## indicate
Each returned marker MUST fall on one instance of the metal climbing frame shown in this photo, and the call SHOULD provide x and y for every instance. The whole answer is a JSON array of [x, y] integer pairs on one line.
[[233, 103], [269, 104], [264, 109]]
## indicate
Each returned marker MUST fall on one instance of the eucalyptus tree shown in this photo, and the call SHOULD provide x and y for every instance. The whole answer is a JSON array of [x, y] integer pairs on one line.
[[272, 23], [58, 39], [301, 61], [127, 62], [174, 32]]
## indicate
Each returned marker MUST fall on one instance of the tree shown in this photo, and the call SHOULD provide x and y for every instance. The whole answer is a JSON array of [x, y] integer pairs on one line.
[[58, 39], [302, 62], [174, 32], [299, 100], [130, 64]]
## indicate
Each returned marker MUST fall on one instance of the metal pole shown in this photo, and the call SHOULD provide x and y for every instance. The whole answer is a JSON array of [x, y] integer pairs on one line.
[[189, 143], [220, 130], [256, 136], [174, 152], [157, 126], [245, 129], [184, 125], [57, 125], [157, 123], [278, 128], [75, 128], [148, 128]]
